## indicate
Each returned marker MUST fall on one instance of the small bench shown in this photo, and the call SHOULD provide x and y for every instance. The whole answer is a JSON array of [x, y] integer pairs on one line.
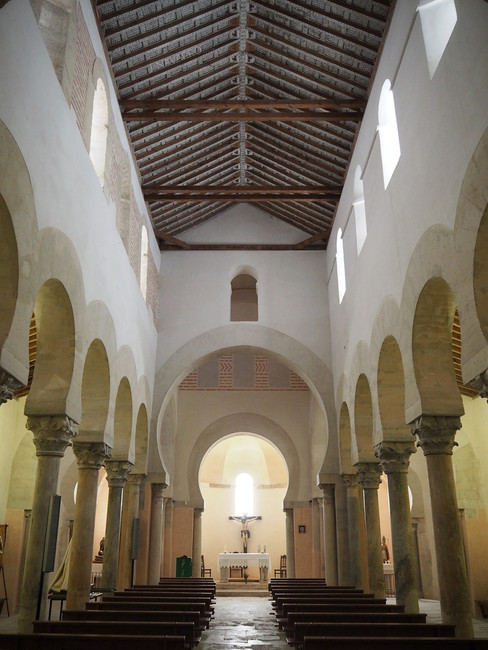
[[351, 617], [53, 641], [393, 643], [189, 616]]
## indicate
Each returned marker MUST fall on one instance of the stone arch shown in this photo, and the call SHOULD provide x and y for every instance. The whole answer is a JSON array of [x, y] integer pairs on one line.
[[140, 441], [95, 394], [345, 440], [240, 423], [55, 351], [480, 273], [122, 421], [363, 420], [9, 271], [23, 470], [391, 391], [432, 350], [285, 349]]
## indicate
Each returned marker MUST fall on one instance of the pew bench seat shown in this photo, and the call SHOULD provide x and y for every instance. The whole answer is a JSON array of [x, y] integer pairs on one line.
[[54, 641], [349, 617], [392, 643], [188, 616]]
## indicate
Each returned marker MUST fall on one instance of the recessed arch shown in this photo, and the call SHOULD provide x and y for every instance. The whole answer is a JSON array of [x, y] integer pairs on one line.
[[55, 351], [359, 208], [95, 393], [9, 271], [345, 440], [99, 130], [391, 391], [388, 132], [244, 298], [122, 421], [432, 350], [140, 441], [363, 420], [480, 273]]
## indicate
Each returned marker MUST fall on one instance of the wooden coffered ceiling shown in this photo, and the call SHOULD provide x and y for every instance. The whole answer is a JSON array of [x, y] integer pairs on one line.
[[247, 101]]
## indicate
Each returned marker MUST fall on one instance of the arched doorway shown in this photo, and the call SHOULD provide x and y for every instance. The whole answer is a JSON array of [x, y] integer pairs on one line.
[[243, 453]]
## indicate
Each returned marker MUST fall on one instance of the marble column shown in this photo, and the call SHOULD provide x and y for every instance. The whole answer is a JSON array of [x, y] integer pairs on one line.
[[369, 475], [8, 384], [436, 437], [394, 457], [52, 434], [290, 543], [197, 542], [330, 534], [155, 533], [167, 551], [132, 491], [117, 471], [90, 457], [355, 570]]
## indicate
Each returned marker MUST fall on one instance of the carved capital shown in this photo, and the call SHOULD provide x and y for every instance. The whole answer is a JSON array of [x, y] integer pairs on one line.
[[329, 493], [136, 479], [369, 475], [91, 455], [480, 384], [52, 433], [351, 480], [8, 384], [436, 433], [394, 455], [157, 490], [117, 472]]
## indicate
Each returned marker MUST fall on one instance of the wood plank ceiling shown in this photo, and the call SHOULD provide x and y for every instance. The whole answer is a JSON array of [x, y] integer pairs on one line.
[[246, 101]]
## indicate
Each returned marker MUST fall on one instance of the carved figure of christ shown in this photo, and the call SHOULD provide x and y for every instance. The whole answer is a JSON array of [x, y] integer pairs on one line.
[[245, 532]]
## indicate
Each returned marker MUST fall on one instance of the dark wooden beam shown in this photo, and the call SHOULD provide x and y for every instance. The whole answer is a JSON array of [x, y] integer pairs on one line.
[[212, 190], [242, 247], [173, 240], [244, 198], [245, 116], [229, 104]]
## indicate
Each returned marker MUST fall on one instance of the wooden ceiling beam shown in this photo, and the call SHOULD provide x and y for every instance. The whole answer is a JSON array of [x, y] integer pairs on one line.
[[231, 104], [243, 247], [241, 189], [244, 198], [245, 116]]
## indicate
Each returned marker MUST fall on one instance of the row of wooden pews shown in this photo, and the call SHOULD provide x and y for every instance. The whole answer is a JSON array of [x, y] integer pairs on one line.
[[169, 616], [316, 616]]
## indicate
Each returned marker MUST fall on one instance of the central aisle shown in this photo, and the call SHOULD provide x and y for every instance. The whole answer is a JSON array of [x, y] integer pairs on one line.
[[243, 622]]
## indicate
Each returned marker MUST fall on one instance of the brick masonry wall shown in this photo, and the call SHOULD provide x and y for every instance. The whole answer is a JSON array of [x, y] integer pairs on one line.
[[85, 59]]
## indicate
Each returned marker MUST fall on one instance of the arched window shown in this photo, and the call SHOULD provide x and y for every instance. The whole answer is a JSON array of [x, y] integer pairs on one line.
[[341, 269], [359, 210], [438, 19], [244, 495], [99, 131], [244, 298], [144, 262], [388, 131]]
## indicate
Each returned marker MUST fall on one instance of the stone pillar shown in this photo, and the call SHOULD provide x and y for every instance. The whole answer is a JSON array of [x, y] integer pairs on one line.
[[130, 514], [90, 457], [330, 534], [52, 434], [168, 565], [369, 475], [197, 542], [117, 471], [8, 384], [436, 437], [290, 543], [355, 571], [155, 533], [394, 457]]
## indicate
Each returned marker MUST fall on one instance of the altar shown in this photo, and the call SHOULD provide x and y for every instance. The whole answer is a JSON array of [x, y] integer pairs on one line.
[[244, 560]]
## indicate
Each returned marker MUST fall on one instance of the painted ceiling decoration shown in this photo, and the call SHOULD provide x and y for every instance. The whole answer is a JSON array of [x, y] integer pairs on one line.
[[245, 101]]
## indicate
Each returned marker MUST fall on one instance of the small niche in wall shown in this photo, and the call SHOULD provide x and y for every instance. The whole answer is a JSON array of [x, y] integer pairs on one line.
[[244, 298]]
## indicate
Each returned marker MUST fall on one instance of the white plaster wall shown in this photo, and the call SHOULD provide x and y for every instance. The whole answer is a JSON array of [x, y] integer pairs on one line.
[[195, 295], [67, 194], [440, 123]]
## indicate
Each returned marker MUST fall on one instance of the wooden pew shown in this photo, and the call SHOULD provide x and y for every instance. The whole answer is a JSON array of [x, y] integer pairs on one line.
[[135, 605], [192, 616], [335, 609], [301, 630], [50, 641], [351, 617], [393, 643], [129, 628], [278, 604]]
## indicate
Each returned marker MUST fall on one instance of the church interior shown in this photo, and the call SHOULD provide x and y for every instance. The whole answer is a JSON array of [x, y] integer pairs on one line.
[[244, 297]]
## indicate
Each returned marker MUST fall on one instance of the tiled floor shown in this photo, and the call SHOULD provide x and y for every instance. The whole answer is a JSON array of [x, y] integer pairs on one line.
[[248, 622]]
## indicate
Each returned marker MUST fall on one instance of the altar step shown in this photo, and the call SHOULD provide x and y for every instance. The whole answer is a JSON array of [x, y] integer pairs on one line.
[[237, 587]]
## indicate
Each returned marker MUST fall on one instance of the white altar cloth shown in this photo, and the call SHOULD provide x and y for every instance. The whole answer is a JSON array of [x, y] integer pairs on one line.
[[227, 560]]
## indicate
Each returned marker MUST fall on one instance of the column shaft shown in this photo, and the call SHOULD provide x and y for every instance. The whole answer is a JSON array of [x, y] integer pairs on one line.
[[330, 534], [355, 570], [197, 542], [436, 437], [131, 512], [290, 543], [90, 457], [52, 434], [155, 533]]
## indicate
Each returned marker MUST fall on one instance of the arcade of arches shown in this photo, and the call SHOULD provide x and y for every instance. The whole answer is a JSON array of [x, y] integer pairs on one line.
[[139, 400]]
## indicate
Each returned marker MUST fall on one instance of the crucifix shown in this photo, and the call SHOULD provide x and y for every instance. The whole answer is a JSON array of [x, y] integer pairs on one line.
[[245, 532]]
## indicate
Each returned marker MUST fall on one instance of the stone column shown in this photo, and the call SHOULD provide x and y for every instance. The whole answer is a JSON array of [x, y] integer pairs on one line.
[[369, 475], [355, 571], [155, 533], [52, 434], [197, 542], [168, 565], [394, 457], [130, 514], [8, 384], [330, 534], [90, 457], [436, 437], [117, 471], [290, 543]]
